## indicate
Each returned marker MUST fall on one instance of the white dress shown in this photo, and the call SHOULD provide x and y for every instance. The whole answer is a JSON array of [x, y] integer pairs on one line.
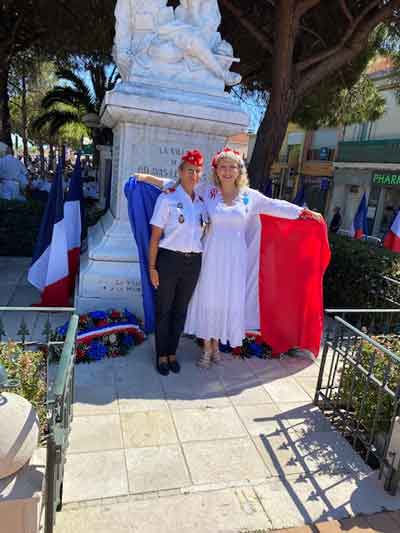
[[217, 307]]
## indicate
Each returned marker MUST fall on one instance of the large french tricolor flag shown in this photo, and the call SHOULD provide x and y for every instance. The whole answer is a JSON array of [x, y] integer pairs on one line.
[[73, 221], [359, 227], [49, 268], [392, 238]]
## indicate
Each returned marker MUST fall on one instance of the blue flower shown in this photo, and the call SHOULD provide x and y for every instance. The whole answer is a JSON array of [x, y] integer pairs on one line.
[[98, 315], [127, 340], [62, 330], [130, 317], [97, 350]]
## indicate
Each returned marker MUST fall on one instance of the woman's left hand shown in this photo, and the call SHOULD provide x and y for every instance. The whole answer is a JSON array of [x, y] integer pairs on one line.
[[307, 214]]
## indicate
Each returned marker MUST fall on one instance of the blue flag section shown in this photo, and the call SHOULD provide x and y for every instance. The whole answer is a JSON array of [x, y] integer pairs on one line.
[[141, 201], [268, 189], [300, 198], [53, 214], [360, 224]]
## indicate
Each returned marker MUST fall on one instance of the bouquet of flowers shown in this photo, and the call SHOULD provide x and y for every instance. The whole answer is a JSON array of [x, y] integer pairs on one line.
[[252, 346], [103, 334]]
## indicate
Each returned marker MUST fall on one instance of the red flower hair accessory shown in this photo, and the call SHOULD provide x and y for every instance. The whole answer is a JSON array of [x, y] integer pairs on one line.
[[194, 157], [226, 152]]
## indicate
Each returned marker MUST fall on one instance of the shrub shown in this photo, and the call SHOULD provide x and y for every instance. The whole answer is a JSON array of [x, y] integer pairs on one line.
[[29, 368], [354, 276], [20, 222]]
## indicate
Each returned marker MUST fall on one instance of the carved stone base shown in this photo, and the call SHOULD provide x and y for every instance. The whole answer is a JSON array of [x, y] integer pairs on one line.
[[153, 126]]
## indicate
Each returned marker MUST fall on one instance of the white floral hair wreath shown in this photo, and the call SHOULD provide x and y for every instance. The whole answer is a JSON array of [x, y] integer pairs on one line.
[[228, 153]]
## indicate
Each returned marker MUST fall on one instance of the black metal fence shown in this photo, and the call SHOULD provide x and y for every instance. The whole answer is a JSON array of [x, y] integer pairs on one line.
[[358, 385]]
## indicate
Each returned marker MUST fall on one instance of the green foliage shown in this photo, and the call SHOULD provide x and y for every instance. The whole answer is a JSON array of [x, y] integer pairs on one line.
[[20, 222], [363, 400], [333, 105], [353, 278], [29, 368]]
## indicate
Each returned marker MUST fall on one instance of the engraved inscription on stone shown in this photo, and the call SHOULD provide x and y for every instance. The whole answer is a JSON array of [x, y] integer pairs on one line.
[[118, 287]]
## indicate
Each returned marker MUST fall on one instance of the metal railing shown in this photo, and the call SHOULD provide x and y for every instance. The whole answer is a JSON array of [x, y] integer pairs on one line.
[[36, 330], [358, 386]]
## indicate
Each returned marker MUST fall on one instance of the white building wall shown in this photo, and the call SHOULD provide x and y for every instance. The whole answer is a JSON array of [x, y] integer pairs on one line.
[[325, 137]]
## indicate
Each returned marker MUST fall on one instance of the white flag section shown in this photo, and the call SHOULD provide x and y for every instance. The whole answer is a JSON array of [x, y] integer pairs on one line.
[[73, 222]]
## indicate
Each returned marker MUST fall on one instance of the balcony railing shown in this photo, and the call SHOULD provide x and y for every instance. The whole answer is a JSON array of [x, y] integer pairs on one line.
[[386, 151]]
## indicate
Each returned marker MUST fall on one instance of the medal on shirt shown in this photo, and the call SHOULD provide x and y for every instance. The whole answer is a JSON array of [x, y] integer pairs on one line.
[[181, 219], [245, 199]]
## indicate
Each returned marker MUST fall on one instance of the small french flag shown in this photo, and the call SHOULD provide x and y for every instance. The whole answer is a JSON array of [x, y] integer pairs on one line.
[[49, 268], [73, 221], [359, 227], [392, 238]]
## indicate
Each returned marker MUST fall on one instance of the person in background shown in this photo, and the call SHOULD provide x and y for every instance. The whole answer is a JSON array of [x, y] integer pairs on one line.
[[336, 221], [13, 175]]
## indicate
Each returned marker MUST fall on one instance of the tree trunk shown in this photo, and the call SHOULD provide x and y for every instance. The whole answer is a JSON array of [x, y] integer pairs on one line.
[[5, 123], [282, 101], [42, 161], [51, 157], [24, 117]]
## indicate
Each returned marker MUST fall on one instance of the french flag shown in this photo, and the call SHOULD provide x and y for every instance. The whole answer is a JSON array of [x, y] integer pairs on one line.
[[392, 238], [359, 226], [73, 222], [49, 268]]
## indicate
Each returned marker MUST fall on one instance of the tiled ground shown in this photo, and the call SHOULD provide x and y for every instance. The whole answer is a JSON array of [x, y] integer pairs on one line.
[[237, 448]]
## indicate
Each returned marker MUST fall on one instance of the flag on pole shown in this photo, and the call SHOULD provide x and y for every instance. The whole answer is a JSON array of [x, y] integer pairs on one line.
[[392, 238], [359, 227], [49, 268], [73, 221], [268, 189], [300, 198]]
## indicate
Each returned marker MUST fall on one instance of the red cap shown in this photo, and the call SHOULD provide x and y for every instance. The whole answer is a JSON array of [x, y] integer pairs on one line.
[[194, 157], [226, 151]]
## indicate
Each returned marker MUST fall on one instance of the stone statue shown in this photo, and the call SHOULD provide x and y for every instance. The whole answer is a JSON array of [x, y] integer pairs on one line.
[[154, 41]]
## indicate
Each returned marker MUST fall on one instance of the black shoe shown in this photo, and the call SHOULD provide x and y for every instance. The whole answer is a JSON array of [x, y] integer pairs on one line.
[[174, 366], [163, 368]]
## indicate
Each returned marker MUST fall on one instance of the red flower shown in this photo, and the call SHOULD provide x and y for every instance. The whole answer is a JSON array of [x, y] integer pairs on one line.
[[194, 157]]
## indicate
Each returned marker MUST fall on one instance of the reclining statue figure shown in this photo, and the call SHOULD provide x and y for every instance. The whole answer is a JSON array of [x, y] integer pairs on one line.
[[155, 41]]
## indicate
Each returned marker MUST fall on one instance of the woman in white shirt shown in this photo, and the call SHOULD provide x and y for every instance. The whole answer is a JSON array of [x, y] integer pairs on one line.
[[175, 257]]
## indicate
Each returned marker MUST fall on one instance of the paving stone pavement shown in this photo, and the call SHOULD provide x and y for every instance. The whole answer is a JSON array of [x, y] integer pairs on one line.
[[236, 448]]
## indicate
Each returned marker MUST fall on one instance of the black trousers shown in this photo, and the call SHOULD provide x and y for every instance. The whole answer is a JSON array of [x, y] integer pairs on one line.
[[178, 274]]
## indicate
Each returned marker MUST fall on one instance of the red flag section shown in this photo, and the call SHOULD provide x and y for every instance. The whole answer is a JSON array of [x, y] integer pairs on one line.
[[294, 255], [392, 239]]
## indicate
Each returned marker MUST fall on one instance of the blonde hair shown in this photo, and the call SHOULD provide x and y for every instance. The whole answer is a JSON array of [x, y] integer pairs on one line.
[[242, 181]]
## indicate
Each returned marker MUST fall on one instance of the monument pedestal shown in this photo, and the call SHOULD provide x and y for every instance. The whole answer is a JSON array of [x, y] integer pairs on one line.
[[153, 126]]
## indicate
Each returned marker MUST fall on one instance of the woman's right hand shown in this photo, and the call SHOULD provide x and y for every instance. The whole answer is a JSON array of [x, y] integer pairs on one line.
[[155, 281], [140, 176]]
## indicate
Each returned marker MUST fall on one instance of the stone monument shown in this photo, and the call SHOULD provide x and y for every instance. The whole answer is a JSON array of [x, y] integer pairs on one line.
[[174, 66]]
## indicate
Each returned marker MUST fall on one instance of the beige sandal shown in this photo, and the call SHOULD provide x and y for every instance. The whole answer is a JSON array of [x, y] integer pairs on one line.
[[204, 360]]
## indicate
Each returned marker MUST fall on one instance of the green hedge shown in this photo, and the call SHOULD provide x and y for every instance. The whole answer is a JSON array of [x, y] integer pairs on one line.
[[19, 225], [353, 278]]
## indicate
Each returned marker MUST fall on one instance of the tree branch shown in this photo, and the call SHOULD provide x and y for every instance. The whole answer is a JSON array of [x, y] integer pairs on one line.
[[261, 37], [303, 65], [347, 53], [346, 10], [316, 35], [303, 6]]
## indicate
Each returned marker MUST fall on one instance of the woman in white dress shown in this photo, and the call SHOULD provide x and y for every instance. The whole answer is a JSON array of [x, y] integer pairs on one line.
[[217, 308]]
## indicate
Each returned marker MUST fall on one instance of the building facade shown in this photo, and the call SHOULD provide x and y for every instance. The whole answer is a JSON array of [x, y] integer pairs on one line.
[[368, 160]]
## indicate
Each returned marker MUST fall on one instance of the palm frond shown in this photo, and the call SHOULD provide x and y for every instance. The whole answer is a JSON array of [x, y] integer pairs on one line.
[[78, 83], [56, 119], [67, 95]]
